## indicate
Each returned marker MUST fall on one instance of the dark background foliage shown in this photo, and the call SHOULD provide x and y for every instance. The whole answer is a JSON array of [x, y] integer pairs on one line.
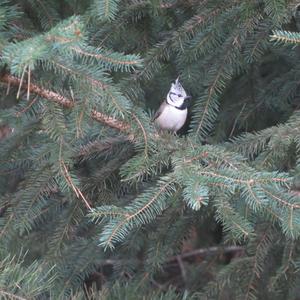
[[96, 203]]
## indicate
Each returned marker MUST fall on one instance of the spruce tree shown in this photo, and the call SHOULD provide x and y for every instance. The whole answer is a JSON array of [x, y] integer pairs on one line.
[[96, 203]]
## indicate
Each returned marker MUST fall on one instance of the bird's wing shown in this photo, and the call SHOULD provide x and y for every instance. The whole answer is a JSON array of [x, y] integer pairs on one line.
[[159, 111]]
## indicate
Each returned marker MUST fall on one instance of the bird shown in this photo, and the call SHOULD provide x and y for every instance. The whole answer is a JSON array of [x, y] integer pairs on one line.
[[172, 113]]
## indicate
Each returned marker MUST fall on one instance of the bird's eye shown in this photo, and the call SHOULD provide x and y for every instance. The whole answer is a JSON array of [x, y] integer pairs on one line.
[[179, 95]]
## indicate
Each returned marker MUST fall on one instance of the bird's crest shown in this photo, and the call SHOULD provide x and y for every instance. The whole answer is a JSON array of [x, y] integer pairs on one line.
[[177, 88]]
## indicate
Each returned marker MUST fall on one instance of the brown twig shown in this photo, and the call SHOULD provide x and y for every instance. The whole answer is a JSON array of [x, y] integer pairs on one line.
[[182, 268], [236, 120], [21, 82], [28, 83], [76, 190], [208, 251], [9, 295], [5, 130], [196, 252], [19, 113]]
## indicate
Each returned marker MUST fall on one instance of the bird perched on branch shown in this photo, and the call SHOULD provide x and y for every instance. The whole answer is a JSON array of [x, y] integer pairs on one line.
[[172, 113]]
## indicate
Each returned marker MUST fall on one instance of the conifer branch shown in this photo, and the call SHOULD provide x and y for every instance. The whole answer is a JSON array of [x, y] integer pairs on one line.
[[146, 192], [8, 295], [105, 57], [64, 101], [113, 233], [47, 94], [109, 121], [248, 182], [285, 37], [258, 259], [291, 206]]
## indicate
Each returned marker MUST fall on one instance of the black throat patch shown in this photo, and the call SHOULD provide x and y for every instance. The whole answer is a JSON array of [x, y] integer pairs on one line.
[[183, 106]]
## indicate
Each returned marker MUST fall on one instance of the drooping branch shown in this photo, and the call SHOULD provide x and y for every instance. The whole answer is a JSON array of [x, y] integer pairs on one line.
[[63, 101]]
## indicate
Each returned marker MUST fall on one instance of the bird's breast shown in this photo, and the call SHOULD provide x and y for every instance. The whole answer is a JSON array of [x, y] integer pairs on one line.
[[172, 118]]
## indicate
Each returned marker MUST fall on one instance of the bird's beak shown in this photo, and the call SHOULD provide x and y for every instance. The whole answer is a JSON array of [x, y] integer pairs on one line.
[[187, 97]]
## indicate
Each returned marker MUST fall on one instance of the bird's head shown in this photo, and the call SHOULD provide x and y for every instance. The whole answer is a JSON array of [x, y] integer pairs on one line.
[[177, 95]]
